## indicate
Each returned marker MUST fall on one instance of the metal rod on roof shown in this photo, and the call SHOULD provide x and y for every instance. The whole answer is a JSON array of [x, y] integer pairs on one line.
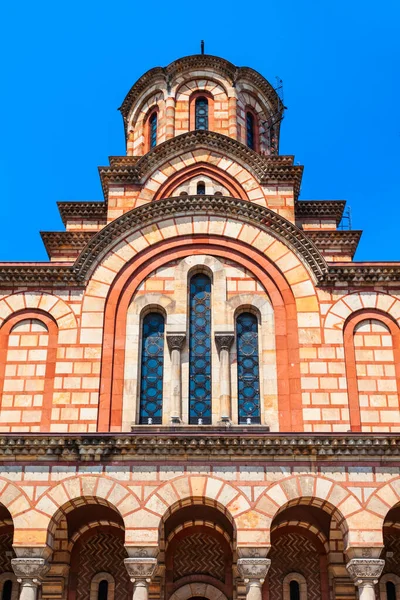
[[202, 46]]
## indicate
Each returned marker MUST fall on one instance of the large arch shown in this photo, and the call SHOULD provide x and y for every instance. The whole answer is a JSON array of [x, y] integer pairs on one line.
[[132, 274]]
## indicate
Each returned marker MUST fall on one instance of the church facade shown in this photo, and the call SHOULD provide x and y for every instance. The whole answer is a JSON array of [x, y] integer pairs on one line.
[[200, 388]]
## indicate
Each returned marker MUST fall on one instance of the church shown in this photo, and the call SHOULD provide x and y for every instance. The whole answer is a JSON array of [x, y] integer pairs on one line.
[[199, 390]]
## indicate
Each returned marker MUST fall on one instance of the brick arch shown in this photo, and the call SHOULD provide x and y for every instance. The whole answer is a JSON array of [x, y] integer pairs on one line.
[[204, 169], [47, 303], [311, 490], [349, 328], [382, 501], [89, 526], [85, 489], [304, 528], [338, 314], [261, 264], [8, 324], [199, 590]]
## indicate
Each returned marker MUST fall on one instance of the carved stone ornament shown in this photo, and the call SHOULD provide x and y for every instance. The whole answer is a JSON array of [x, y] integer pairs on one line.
[[140, 568], [253, 568], [365, 570], [175, 341], [30, 568], [224, 341]]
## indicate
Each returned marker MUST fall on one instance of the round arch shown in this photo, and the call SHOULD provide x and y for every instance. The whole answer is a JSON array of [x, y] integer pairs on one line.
[[198, 590]]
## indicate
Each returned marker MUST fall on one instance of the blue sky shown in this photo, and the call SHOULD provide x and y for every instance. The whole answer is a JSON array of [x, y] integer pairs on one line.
[[66, 67]]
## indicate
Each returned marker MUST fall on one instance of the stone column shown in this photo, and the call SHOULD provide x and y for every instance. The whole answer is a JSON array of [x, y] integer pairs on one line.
[[223, 342], [29, 572], [254, 572], [175, 342], [365, 573], [169, 118], [140, 571], [232, 117]]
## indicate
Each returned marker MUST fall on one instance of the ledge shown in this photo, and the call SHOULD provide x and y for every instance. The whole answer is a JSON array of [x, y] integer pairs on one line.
[[206, 443]]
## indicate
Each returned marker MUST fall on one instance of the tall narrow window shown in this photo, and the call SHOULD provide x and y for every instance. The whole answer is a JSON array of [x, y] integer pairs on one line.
[[153, 130], [200, 350], [201, 113], [250, 130], [103, 590], [390, 591], [201, 188], [294, 588], [152, 366], [248, 369], [7, 590]]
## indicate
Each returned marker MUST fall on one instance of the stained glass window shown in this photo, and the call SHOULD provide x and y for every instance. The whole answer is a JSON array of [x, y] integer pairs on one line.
[[250, 130], [248, 368], [153, 129], [201, 113], [201, 188], [200, 350], [151, 382], [103, 590]]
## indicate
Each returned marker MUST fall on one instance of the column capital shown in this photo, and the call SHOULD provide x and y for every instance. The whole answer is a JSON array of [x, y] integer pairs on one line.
[[32, 569], [365, 571], [140, 568], [224, 341], [175, 341], [253, 569]]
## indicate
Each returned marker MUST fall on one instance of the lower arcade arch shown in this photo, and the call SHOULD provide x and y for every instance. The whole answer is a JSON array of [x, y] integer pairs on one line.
[[389, 584], [9, 586]]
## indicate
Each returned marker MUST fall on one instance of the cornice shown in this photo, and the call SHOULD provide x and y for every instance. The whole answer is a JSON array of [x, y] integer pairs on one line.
[[66, 241], [326, 274], [315, 209], [183, 443], [338, 240], [266, 169], [82, 210]]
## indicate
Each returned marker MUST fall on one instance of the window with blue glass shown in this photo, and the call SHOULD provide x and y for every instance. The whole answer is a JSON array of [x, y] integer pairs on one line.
[[201, 113], [152, 367], [248, 368], [153, 129], [201, 188], [250, 130], [200, 350]]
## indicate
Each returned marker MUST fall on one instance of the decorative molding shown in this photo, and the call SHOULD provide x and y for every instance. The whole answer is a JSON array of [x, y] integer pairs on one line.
[[315, 209], [341, 241], [175, 340], [265, 168], [209, 442], [30, 568], [224, 341], [253, 568], [142, 568], [82, 210], [65, 242], [365, 571]]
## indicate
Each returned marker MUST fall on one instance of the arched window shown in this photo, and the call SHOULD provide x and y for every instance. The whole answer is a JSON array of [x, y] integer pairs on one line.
[[201, 113], [250, 133], [153, 130], [7, 590], [152, 366], [200, 350], [294, 588], [390, 590], [102, 593], [201, 188], [248, 368]]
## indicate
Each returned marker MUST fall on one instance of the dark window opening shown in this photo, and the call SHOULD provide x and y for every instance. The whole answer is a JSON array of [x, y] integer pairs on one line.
[[153, 130], [250, 130], [201, 188], [201, 113], [294, 590], [103, 590], [390, 591], [7, 590]]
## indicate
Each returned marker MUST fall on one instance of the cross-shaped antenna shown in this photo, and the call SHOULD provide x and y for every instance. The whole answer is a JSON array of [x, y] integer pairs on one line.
[[202, 46]]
